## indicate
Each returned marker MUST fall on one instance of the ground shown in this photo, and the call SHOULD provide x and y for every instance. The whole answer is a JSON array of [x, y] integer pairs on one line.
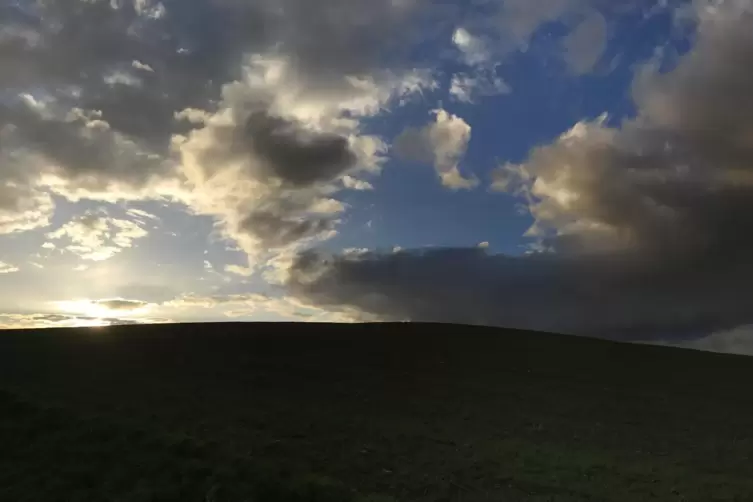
[[384, 412]]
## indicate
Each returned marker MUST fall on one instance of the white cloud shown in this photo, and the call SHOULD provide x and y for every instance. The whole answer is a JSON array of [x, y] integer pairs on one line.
[[466, 88], [443, 143], [141, 66], [6, 268], [474, 49], [239, 270], [125, 232], [96, 237], [352, 183], [142, 215], [122, 78], [150, 8], [327, 206]]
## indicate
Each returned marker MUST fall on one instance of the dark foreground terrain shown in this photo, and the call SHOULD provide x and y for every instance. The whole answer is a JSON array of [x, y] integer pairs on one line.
[[254, 412]]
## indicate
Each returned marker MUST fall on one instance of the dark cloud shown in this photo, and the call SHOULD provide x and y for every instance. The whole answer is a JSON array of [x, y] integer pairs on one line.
[[643, 231], [69, 47], [120, 304], [297, 156], [79, 145], [282, 228], [618, 296], [274, 149], [285, 166]]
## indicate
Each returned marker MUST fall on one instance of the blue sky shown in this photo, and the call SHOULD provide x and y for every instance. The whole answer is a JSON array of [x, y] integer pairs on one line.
[[193, 160]]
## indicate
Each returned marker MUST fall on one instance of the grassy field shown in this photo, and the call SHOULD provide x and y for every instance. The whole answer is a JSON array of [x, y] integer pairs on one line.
[[255, 412]]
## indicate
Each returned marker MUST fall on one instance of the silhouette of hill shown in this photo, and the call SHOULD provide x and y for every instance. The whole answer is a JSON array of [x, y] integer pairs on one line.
[[409, 411]]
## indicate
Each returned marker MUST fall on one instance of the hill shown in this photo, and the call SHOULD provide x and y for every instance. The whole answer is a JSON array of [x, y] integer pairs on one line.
[[336, 412]]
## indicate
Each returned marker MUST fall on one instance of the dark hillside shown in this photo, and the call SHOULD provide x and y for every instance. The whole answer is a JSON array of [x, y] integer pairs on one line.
[[415, 412]]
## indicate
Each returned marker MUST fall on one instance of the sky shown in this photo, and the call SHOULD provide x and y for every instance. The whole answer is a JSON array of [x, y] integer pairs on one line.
[[576, 166]]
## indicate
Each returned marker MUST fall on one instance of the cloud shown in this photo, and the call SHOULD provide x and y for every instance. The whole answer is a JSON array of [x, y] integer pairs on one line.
[[141, 66], [266, 167], [355, 184], [23, 207], [97, 237], [142, 215], [238, 270], [249, 304], [105, 308], [443, 143], [6, 268], [36, 321], [585, 45], [642, 231], [501, 28], [120, 304], [473, 49], [273, 92], [290, 154], [466, 88], [76, 152]]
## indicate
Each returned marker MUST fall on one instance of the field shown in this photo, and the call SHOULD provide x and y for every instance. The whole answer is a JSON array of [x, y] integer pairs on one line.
[[383, 412]]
